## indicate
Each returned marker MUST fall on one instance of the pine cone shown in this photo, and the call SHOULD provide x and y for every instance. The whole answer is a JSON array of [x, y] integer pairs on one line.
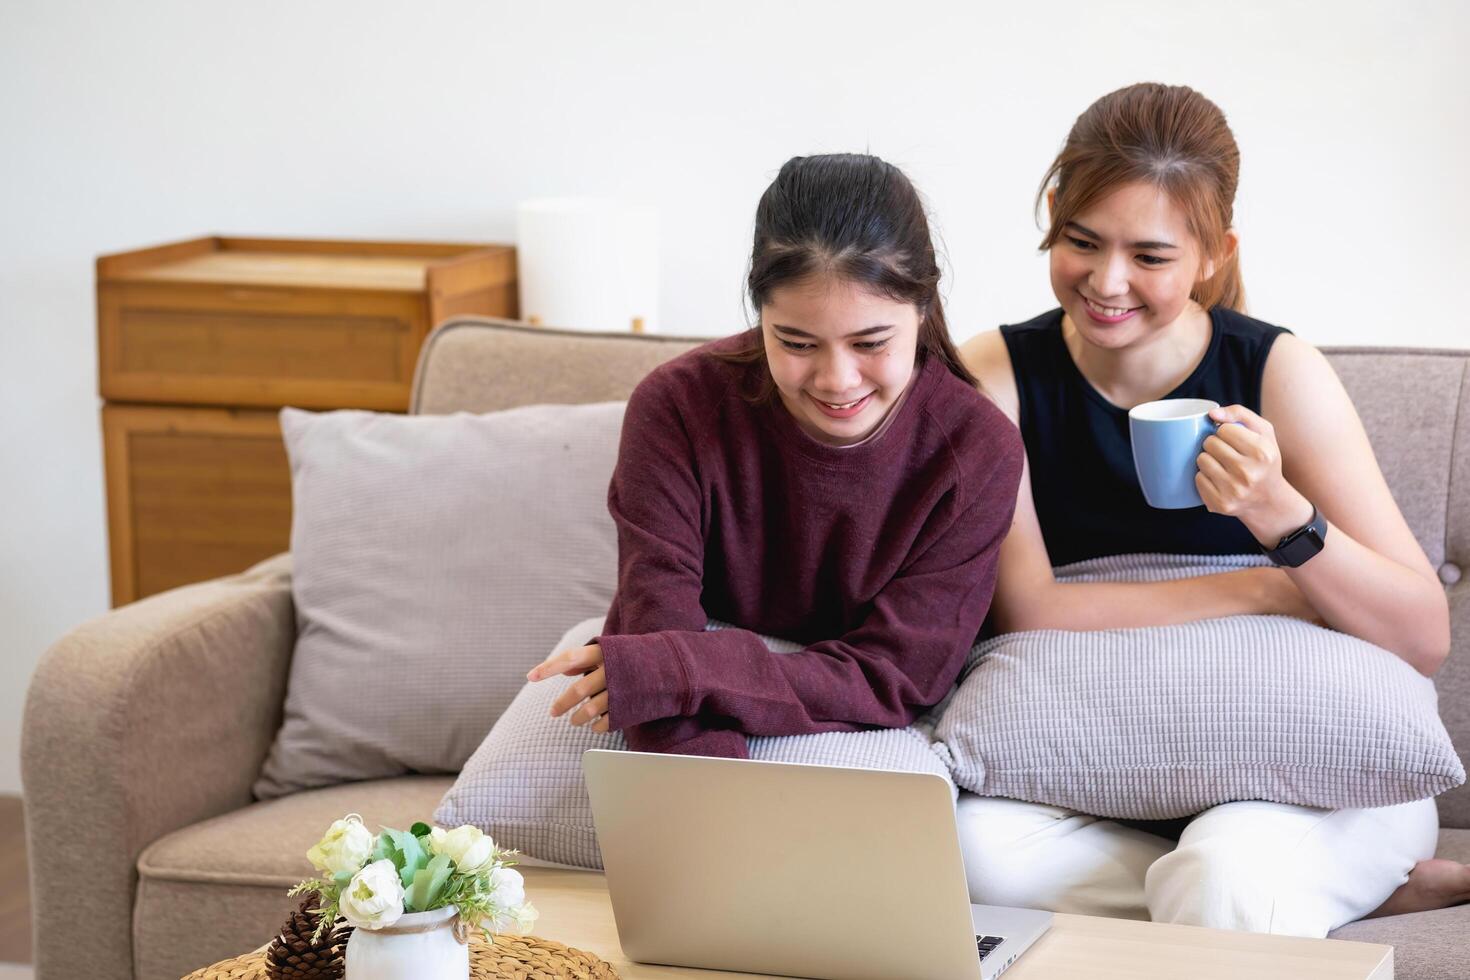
[[293, 955]]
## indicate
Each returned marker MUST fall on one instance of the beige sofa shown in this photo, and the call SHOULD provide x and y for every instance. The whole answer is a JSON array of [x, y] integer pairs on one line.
[[145, 728]]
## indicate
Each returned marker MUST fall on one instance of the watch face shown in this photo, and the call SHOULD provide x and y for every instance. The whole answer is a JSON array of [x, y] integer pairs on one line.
[[1302, 545]]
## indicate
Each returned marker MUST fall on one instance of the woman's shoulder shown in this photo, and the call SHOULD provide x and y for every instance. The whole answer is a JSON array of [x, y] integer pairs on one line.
[[1293, 365], [977, 431], [701, 376], [1237, 324], [988, 355], [989, 360]]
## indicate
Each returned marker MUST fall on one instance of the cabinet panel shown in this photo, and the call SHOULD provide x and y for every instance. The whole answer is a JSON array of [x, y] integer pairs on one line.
[[267, 348], [192, 494]]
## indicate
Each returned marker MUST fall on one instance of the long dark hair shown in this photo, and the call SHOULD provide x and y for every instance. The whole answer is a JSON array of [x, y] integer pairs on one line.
[[858, 219], [1166, 135]]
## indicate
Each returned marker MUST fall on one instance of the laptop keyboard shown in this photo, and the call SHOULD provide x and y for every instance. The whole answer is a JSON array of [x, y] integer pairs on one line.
[[987, 944]]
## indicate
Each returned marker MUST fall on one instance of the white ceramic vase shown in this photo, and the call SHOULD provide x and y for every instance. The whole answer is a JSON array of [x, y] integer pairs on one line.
[[419, 946]]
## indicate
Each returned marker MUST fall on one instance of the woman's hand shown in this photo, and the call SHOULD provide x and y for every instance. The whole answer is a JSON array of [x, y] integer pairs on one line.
[[1240, 476], [590, 692]]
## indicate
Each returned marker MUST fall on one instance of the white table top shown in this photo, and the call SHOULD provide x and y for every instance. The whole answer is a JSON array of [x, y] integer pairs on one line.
[[575, 910]]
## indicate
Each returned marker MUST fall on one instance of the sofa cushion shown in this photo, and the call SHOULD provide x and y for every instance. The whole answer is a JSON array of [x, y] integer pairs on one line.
[[1454, 844], [218, 888], [524, 785], [1427, 945], [436, 559], [1163, 722]]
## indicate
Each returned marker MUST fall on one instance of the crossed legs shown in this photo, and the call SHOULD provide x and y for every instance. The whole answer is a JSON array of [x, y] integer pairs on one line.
[[1256, 866]]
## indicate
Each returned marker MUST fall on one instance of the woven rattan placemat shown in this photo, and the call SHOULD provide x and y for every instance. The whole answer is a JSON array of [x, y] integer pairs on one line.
[[509, 958]]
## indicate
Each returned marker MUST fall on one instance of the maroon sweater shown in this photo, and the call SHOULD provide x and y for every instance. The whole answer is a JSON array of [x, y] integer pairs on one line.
[[880, 557]]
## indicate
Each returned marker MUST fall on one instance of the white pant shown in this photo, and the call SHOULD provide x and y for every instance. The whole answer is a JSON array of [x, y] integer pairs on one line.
[[1259, 867]]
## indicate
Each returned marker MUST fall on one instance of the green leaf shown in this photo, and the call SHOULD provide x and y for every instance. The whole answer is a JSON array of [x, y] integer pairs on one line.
[[408, 854], [428, 884], [383, 848], [420, 829]]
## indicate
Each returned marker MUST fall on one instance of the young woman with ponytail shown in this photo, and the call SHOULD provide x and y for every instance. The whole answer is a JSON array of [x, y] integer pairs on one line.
[[1145, 266], [831, 476]]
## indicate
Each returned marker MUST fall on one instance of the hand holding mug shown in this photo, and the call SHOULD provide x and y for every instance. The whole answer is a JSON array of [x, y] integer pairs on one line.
[[1240, 476], [590, 691]]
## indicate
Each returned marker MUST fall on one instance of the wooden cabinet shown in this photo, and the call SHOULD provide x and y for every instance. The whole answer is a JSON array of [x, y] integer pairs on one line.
[[199, 342]]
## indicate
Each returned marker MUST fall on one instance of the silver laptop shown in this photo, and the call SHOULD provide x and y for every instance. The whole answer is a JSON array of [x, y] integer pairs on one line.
[[804, 871]]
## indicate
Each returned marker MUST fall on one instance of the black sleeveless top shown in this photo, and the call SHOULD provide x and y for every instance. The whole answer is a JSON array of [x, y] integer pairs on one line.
[[1087, 496]]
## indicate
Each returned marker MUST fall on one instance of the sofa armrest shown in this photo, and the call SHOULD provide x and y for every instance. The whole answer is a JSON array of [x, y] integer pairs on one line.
[[150, 718]]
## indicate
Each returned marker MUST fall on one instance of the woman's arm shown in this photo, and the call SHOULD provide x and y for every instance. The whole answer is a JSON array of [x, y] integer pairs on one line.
[[1371, 579], [657, 505], [900, 660], [1028, 597], [656, 674]]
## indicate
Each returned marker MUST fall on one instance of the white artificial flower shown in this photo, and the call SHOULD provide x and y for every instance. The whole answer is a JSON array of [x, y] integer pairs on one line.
[[521, 919], [345, 847], [374, 898], [507, 888], [470, 848], [525, 918]]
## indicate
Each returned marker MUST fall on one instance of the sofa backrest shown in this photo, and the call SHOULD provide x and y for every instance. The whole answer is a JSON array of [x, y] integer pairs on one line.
[[480, 364], [1414, 403]]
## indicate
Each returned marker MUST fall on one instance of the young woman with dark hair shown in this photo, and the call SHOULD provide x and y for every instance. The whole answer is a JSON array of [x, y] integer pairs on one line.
[[830, 476], [1145, 265]]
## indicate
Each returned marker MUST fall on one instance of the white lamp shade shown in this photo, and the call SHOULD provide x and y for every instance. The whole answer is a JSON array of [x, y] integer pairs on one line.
[[587, 264]]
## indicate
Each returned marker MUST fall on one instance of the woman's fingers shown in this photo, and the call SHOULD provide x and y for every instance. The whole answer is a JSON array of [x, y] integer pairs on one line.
[[1243, 416], [1210, 481], [593, 709], [588, 687], [1217, 449], [573, 660]]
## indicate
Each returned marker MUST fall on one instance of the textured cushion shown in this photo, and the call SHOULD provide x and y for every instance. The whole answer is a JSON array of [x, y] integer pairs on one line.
[[221, 884], [1163, 722], [524, 785], [436, 559]]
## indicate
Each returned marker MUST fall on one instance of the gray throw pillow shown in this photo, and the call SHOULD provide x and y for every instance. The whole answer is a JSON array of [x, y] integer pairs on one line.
[[524, 785], [436, 559], [1163, 722]]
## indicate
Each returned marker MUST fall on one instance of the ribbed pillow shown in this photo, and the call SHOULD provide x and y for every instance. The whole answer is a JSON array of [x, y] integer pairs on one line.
[[524, 785], [1163, 722], [436, 557]]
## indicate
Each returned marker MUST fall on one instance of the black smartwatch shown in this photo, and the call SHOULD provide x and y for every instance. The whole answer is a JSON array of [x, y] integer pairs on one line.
[[1300, 545]]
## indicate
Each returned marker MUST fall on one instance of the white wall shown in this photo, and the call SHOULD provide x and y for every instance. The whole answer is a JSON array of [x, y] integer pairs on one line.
[[127, 124]]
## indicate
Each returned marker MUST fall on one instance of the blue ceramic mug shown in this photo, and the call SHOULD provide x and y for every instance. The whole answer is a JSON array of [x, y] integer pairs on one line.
[[1167, 438]]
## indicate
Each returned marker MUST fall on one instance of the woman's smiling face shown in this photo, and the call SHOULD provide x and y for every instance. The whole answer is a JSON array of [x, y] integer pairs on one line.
[[1123, 269], [840, 355]]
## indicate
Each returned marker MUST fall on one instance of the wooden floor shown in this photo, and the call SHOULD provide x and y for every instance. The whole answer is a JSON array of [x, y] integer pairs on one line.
[[15, 897]]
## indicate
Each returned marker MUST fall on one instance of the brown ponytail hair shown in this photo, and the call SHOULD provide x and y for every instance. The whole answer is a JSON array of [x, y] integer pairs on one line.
[[1166, 135]]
